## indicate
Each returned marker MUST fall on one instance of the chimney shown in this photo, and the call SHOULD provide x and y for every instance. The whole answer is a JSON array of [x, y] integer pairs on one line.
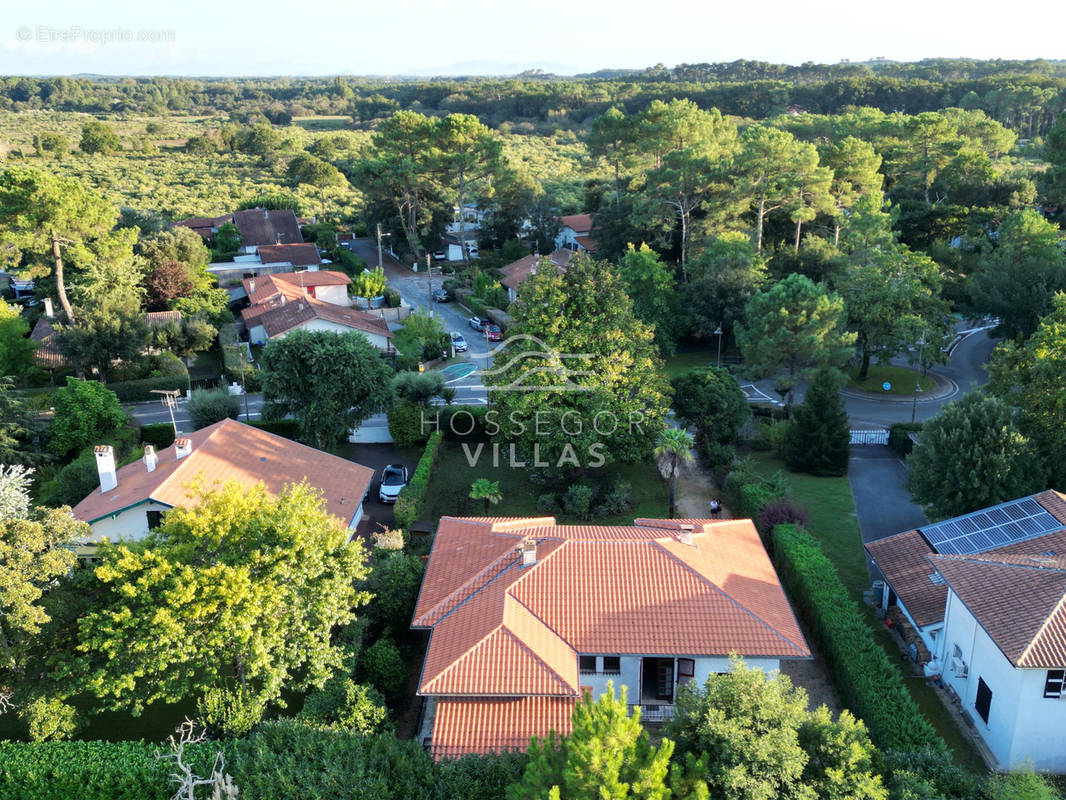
[[529, 552], [105, 465], [48, 311], [251, 286], [283, 299], [685, 534], [182, 448], [150, 458]]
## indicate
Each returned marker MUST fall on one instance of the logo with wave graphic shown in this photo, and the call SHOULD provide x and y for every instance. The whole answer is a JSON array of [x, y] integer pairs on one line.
[[533, 364]]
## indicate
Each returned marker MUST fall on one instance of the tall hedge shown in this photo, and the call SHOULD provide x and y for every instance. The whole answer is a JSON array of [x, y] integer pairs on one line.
[[141, 390], [869, 683], [409, 504]]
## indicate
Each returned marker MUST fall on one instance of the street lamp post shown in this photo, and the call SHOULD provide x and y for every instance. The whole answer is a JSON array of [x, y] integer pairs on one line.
[[718, 333], [918, 378]]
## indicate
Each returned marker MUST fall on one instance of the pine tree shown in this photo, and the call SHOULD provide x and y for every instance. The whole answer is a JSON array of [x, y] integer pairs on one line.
[[818, 441], [606, 757]]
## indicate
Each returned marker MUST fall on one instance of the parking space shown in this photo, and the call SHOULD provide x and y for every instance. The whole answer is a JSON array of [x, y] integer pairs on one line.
[[377, 456]]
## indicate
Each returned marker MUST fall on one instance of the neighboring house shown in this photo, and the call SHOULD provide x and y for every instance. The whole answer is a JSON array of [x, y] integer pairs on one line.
[[987, 594], [454, 244], [131, 500], [267, 259], [205, 226], [47, 353], [576, 233], [309, 300], [527, 615], [517, 272]]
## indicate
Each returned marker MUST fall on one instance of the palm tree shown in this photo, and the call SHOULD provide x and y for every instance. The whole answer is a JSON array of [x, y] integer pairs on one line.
[[673, 451], [484, 489]]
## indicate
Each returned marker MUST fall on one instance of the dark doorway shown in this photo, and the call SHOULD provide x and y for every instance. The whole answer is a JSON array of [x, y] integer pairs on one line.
[[657, 680]]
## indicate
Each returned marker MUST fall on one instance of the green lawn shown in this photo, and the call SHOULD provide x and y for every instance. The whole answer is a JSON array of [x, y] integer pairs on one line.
[[450, 486], [901, 379], [834, 524], [689, 360], [323, 123]]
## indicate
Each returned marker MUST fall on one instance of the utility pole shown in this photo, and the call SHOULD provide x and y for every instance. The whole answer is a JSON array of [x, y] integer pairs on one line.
[[718, 333], [429, 282], [380, 236], [918, 377]]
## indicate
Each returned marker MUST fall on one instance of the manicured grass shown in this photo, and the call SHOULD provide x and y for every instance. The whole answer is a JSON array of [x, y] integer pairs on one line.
[[680, 363], [901, 378], [834, 524], [450, 486]]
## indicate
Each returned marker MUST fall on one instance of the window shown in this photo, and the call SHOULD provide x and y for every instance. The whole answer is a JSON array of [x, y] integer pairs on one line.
[[612, 665], [586, 663], [154, 518], [1053, 684], [686, 667], [984, 699]]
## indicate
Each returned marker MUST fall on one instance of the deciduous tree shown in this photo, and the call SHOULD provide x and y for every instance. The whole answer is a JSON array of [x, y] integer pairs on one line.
[[85, 411], [16, 350]]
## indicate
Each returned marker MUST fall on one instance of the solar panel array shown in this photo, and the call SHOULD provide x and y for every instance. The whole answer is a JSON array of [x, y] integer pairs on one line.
[[991, 528]]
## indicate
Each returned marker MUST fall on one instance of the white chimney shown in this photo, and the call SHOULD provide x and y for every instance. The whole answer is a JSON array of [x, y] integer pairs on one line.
[[251, 286], [182, 448], [685, 534], [150, 458], [105, 465], [529, 552], [48, 310]]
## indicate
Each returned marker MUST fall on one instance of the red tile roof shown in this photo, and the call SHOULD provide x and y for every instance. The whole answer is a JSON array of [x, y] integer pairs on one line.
[[586, 242], [291, 284], [518, 272], [578, 223], [47, 354], [231, 450], [496, 725], [299, 255], [904, 561], [278, 316], [1020, 601], [153, 318]]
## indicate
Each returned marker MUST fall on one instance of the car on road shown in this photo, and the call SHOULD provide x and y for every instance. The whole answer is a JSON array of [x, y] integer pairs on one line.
[[393, 479], [493, 333], [441, 296], [479, 323], [458, 342]]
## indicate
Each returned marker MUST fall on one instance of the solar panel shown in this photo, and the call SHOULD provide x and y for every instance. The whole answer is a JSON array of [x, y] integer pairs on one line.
[[991, 528]]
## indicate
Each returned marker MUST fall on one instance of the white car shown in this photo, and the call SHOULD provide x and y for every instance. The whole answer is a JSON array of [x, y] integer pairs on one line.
[[458, 342], [393, 479]]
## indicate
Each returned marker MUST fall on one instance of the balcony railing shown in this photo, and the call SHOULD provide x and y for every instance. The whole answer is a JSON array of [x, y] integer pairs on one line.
[[654, 712]]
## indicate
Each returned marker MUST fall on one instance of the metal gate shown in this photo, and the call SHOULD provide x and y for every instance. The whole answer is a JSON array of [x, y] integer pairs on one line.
[[869, 437]]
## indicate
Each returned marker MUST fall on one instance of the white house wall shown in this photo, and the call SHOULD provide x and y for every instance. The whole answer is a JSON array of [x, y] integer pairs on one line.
[[629, 673], [375, 339], [337, 295], [129, 525], [1023, 726]]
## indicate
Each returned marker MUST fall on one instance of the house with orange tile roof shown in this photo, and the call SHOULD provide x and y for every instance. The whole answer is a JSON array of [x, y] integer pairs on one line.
[[987, 593], [575, 233], [130, 500], [518, 272], [527, 615]]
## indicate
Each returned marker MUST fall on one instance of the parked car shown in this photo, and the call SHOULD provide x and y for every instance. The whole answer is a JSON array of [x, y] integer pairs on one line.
[[441, 296], [493, 333], [479, 323], [439, 255], [458, 342], [393, 479]]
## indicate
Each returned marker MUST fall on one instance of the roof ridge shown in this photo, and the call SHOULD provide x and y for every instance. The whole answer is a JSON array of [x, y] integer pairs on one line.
[[521, 643], [468, 589], [729, 597], [1043, 627], [1048, 564]]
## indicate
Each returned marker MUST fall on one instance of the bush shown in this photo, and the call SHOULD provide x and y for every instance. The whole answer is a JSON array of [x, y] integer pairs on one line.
[[870, 684], [783, 511], [777, 435], [392, 298], [72, 483], [408, 506], [394, 582], [209, 406], [49, 719], [717, 456], [141, 390], [463, 423], [383, 666], [748, 493], [548, 503], [405, 424], [577, 501], [289, 428], [229, 713], [899, 437], [617, 499], [157, 434], [347, 705], [85, 411]]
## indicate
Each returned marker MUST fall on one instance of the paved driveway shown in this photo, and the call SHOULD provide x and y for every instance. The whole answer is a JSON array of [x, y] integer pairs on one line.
[[878, 483], [376, 456]]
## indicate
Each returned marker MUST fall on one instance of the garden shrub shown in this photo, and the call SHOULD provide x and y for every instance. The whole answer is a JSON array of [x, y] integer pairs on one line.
[[461, 423], [409, 504], [405, 424], [229, 713], [748, 493], [141, 390], [392, 298], [394, 581], [345, 704], [869, 683], [577, 501], [899, 437], [548, 503], [289, 428], [616, 500], [783, 511], [383, 667], [209, 406], [157, 434]]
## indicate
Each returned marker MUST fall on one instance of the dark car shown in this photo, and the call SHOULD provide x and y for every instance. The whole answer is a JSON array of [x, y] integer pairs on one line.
[[393, 479], [441, 296]]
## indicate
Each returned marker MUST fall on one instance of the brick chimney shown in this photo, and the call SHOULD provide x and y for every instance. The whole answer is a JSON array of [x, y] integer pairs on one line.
[[150, 458], [105, 465], [48, 310], [182, 448]]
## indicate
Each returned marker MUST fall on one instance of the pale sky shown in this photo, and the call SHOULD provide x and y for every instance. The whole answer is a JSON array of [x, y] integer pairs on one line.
[[325, 37]]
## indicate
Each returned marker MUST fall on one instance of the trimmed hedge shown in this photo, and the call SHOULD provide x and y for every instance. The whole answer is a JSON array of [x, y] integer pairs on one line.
[[748, 493], [899, 437], [137, 391], [158, 434], [289, 428], [869, 683], [408, 506]]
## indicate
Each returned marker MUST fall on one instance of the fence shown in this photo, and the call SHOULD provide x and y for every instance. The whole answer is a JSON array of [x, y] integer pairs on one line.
[[869, 437]]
